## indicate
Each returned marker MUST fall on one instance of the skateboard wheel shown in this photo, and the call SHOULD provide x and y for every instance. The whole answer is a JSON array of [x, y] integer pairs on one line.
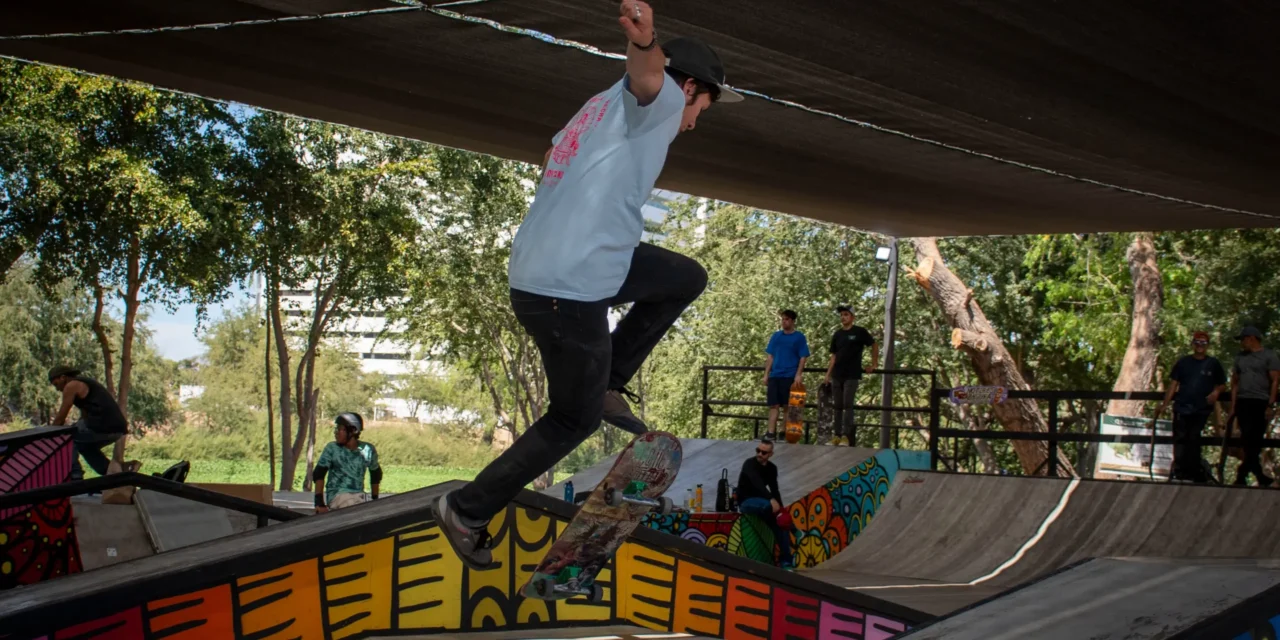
[[612, 497], [597, 594], [665, 506], [545, 586]]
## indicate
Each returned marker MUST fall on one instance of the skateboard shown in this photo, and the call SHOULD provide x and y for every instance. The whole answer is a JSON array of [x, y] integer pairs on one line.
[[826, 414], [1223, 452], [795, 413], [631, 489]]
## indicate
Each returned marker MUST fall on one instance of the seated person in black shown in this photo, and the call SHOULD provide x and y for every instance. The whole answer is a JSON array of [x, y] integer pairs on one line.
[[758, 495]]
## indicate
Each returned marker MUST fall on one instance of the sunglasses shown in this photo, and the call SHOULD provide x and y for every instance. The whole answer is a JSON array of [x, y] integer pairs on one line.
[[762, 452], [1200, 343]]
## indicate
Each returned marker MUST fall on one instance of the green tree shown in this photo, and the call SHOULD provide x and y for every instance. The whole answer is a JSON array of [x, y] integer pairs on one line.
[[117, 186], [334, 211]]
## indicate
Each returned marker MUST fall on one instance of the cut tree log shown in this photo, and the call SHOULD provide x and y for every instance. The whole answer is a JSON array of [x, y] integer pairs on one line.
[[1138, 369], [973, 334]]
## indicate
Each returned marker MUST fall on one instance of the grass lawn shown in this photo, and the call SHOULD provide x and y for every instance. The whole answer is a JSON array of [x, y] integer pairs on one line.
[[395, 479]]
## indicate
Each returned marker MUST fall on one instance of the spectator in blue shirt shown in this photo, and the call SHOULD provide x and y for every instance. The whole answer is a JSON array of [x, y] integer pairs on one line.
[[787, 352]]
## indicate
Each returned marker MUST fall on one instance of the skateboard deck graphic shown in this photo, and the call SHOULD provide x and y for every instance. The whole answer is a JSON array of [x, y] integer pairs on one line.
[[643, 471], [826, 414], [795, 413]]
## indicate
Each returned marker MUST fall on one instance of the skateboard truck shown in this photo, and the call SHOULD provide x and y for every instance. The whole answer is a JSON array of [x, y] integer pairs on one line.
[[558, 585], [631, 495]]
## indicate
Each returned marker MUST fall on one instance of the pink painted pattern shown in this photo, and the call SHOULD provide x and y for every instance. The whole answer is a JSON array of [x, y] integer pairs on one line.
[[41, 463]]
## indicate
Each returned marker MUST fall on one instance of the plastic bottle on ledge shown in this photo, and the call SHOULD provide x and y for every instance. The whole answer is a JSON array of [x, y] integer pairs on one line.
[[698, 498]]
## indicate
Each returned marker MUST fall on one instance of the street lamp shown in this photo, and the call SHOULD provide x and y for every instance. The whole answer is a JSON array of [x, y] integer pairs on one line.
[[888, 254]]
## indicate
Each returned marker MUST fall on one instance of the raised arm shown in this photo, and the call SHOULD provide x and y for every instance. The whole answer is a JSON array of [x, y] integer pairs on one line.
[[645, 60]]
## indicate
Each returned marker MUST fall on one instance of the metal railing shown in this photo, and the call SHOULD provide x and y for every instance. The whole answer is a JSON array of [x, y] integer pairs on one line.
[[1054, 437], [708, 403], [116, 480]]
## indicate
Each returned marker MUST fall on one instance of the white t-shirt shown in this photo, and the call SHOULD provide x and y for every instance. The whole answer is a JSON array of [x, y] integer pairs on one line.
[[585, 221]]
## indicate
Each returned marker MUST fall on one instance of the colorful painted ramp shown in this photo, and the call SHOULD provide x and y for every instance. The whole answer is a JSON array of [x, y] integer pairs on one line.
[[832, 494], [382, 568], [37, 542]]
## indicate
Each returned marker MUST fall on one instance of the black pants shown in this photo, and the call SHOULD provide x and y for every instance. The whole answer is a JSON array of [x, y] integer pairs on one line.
[[1187, 462], [844, 395], [583, 361], [1251, 415]]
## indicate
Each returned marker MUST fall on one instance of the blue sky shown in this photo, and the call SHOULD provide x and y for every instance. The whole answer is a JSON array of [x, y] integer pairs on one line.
[[174, 333]]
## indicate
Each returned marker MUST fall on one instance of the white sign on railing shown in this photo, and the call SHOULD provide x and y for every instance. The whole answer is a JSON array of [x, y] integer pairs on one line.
[[979, 395], [1124, 459]]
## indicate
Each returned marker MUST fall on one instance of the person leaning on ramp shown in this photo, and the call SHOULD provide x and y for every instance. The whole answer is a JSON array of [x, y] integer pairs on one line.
[[101, 421], [578, 254], [345, 461]]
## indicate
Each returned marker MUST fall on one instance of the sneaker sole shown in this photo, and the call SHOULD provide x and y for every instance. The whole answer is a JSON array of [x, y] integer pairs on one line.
[[439, 516]]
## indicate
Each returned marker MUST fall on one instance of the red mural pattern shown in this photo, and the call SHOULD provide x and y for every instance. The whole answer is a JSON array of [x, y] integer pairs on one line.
[[37, 542]]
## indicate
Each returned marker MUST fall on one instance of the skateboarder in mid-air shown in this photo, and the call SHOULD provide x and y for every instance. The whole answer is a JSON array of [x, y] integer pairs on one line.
[[578, 253]]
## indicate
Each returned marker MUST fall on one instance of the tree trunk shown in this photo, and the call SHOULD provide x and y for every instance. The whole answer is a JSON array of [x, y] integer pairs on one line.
[[311, 442], [271, 422], [132, 288], [973, 334], [1139, 367], [288, 461], [108, 362]]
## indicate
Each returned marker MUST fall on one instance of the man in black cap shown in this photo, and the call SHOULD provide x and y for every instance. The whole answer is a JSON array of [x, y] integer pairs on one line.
[[101, 422], [578, 254], [1255, 377]]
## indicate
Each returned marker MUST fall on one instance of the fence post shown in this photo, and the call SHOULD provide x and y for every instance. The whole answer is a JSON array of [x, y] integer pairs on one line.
[[1052, 469], [935, 417], [706, 375]]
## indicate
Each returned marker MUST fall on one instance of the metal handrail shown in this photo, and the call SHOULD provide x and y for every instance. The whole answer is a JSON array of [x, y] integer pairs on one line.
[[129, 478]]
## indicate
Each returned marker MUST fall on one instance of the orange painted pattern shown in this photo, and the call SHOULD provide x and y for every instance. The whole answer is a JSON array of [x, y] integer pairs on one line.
[[700, 599], [282, 604], [200, 615], [747, 606]]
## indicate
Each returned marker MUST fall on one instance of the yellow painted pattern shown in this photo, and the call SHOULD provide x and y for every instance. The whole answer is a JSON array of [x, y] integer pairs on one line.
[[429, 581], [357, 588], [537, 533], [646, 586], [489, 591], [699, 602], [282, 603]]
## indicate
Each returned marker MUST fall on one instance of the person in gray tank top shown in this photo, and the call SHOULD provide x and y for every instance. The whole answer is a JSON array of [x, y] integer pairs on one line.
[[101, 421], [1255, 377]]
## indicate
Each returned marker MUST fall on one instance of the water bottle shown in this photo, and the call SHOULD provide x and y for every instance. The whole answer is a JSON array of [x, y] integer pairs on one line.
[[568, 492], [698, 497], [688, 499]]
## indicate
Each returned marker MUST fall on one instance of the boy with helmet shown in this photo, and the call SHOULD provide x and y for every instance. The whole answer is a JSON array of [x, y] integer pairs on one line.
[[345, 461]]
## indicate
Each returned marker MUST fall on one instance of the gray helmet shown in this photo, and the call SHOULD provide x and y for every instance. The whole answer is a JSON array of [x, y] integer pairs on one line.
[[350, 420]]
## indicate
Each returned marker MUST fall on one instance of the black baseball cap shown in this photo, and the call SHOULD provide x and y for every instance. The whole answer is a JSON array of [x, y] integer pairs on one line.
[[1249, 331], [844, 307], [59, 371], [695, 59]]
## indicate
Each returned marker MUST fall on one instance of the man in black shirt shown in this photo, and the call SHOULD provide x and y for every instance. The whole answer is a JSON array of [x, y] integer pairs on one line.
[[758, 495], [101, 422], [1194, 385], [844, 373]]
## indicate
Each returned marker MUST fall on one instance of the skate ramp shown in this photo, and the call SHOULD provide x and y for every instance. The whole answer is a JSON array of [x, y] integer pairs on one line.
[[383, 568], [801, 467], [1116, 598], [944, 541], [109, 534], [611, 632]]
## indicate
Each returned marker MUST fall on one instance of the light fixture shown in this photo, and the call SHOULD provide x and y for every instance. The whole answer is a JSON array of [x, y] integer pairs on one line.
[[882, 254]]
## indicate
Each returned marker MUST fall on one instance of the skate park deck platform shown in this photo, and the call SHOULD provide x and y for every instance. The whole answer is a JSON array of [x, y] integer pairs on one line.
[[801, 467], [941, 541], [1114, 598]]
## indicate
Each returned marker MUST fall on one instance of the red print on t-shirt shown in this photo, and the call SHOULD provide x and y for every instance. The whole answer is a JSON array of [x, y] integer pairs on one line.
[[587, 118]]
